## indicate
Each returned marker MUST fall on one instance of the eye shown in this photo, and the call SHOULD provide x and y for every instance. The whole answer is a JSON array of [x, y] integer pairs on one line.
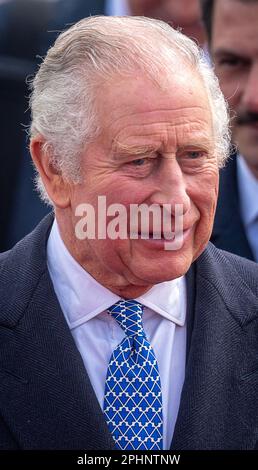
[[195, 154], [138, 162], [232, 62], [143, 166]]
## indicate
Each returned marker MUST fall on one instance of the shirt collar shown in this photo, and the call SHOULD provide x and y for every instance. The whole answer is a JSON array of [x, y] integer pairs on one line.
[[82, 297], [248, 191]]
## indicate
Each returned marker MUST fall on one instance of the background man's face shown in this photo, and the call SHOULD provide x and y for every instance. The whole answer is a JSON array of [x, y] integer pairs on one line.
[[234, 47], [156, 148], [185, 14]]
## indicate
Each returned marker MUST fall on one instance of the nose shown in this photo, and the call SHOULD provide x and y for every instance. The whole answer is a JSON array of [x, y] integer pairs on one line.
[[171, 187], [250, 95]]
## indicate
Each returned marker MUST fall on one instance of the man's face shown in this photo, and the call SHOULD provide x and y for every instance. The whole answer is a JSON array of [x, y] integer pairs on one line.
[[234, 47], [185, 14], [156, 148]]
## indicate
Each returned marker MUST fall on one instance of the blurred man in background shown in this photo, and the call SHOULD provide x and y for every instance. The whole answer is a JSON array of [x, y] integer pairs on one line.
[[232, 27]]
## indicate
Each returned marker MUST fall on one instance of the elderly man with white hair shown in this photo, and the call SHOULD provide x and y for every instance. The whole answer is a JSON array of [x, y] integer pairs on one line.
[[121, 327]]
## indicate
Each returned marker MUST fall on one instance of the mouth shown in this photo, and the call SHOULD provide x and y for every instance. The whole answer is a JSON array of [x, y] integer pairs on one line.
[[152, 236], [159, 239]]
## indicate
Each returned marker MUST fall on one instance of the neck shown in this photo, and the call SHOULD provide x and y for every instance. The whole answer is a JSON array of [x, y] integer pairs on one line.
[[117, 283], [129, 291]]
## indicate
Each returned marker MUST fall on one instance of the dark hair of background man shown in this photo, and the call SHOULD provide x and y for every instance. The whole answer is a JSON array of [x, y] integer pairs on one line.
[[207, 12]]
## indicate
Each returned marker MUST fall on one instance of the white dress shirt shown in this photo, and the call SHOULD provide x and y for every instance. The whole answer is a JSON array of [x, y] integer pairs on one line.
[[248, 196], [84, 302]]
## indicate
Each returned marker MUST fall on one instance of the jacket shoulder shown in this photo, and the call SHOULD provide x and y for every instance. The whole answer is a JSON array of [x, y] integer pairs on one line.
[[240, 263], [4, 257], [247, 269], [21, 268], [234, 279]]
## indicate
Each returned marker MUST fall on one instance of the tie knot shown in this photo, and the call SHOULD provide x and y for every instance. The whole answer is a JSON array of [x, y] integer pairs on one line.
[[128, 313]]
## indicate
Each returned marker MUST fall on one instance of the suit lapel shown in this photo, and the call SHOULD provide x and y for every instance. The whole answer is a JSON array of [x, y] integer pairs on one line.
[[218, 408], [46, 395], [49, 392]]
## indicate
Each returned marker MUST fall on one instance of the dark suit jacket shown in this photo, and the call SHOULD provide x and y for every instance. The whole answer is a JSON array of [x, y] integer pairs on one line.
[[46, 398], [228, 231]]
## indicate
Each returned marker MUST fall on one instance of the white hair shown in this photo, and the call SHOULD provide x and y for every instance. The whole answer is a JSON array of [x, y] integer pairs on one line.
[[64, 90]]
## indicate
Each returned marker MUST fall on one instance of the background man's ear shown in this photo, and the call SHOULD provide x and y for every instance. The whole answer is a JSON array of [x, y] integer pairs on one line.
[[57, 187]]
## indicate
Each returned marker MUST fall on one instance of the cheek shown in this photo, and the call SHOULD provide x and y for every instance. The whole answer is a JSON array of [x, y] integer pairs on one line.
[[231, 89], [205, 202], [111, 253], [124, 191], [207, 209], [204, 193]]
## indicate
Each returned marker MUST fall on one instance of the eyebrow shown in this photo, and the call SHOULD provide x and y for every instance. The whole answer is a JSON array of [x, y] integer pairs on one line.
[[124, 150], [204, 145], [229, 52]]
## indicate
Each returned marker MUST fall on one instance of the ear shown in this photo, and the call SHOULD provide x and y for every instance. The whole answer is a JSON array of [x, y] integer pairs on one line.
[[57, 187]]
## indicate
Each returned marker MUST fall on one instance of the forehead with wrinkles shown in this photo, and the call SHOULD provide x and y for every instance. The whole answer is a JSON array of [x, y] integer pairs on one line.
[[138, 108]]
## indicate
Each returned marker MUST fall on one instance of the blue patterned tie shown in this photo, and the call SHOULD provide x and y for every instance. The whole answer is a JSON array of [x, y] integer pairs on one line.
[[133, 399]]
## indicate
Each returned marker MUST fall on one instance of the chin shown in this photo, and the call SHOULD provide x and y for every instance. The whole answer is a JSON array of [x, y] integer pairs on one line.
[[166, 272]]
